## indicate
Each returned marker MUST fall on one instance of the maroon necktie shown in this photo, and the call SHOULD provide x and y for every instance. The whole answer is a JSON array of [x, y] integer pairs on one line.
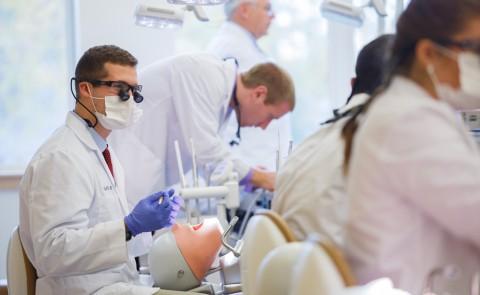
[[108, 159]]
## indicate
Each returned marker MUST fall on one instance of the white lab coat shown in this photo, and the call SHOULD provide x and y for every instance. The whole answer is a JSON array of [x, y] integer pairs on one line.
[[414, 184], [257, 147], [310, 190], [186, 97], [71, 217]]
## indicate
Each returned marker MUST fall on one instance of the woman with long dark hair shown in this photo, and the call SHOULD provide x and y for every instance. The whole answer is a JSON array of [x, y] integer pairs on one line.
[[413, 169], [310, 191]]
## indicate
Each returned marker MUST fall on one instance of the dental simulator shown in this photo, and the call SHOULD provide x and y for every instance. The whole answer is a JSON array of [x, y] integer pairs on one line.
[[181, 257]]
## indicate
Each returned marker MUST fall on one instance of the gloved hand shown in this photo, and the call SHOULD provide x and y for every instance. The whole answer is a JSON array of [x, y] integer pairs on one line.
[[149, 214]]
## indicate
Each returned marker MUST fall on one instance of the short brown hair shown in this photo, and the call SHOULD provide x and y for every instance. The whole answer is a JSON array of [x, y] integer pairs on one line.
[[278, 82], [91, 65]]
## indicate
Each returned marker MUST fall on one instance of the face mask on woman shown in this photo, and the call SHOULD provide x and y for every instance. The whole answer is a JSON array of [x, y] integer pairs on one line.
[[467, 96]]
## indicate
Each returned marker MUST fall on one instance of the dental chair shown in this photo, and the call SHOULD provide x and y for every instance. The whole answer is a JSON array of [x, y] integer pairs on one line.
[[321, 269], [3, 287], [313, 268], [275, 272], [265, 231], [21, 275], [309, 267]]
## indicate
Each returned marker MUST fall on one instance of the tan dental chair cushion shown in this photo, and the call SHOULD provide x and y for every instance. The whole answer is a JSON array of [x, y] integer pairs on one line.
[[265, 232], [21, 275]]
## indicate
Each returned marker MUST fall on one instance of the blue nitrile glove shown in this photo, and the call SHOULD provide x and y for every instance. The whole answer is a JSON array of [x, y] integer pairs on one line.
[[150, 215]]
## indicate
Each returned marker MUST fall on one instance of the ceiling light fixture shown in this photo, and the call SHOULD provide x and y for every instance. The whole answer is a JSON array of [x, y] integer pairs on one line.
[[166, 17], [347, 13], [197, 2]]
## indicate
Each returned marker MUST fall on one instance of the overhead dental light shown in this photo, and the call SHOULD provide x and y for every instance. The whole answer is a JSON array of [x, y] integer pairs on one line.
[[197, 2], [165, 17], [158, 17], [345, 12]]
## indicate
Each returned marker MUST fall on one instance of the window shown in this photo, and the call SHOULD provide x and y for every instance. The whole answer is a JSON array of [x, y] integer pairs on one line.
[[36, 55], [320, 55]]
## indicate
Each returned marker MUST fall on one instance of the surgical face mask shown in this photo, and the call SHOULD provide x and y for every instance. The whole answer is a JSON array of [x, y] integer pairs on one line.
[[119, 114], [467, 97]]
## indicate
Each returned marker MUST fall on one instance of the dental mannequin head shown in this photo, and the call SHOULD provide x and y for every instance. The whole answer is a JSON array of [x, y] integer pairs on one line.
[[181, 257]]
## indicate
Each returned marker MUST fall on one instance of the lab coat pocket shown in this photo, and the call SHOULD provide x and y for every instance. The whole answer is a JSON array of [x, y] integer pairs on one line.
[[106, 203]]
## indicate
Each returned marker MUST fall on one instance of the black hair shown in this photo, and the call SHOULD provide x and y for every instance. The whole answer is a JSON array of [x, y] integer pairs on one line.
[[371, 65], [370, 70]]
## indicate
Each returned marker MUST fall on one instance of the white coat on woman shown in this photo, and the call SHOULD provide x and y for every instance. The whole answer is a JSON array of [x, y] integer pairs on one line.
[[414, 184], [310, 190]]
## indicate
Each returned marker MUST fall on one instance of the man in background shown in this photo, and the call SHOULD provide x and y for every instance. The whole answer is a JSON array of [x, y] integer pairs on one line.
[[190, 97], [247, 21]]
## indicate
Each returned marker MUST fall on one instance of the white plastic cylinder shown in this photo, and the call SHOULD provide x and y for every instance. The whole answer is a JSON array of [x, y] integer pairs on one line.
[[204, 192]]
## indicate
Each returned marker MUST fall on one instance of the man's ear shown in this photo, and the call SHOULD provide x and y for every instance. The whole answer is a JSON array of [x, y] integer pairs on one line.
[[260, 93], [84, 89], [244, 10]]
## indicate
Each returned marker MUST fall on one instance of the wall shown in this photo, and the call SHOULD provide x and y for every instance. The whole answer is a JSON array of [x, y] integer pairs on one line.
[[112, 22], [341, 66]]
